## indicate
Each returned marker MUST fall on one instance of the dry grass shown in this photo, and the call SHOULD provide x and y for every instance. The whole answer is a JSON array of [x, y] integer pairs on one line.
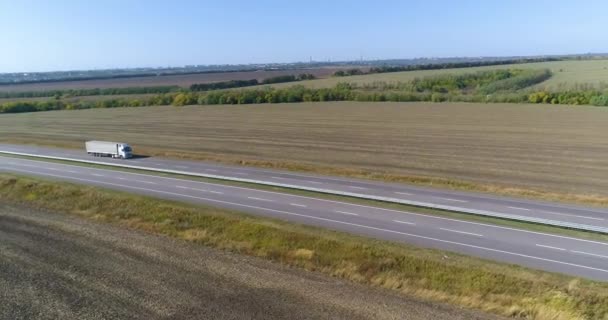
[[551, 152], [470, 282]]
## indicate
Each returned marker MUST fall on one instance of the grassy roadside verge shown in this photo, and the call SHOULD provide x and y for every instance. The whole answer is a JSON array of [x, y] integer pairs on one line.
[[357, 201], [465, 281], [425, 181]]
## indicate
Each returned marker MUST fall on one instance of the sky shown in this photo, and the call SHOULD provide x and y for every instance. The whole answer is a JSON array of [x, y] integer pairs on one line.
[[43, 35]]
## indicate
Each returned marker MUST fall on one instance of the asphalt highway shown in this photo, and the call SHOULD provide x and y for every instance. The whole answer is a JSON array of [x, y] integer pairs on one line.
[[537, 209], [578, 257]]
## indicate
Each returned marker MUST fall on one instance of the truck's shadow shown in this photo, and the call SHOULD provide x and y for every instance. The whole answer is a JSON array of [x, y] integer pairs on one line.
[[139, 156]]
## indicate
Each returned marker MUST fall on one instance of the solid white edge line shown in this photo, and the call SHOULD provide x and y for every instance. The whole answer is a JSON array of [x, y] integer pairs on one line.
[[339, 202], [336, 221], [462, 232]]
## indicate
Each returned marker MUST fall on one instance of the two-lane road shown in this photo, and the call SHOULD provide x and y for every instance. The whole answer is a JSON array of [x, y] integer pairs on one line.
[[579, 257]]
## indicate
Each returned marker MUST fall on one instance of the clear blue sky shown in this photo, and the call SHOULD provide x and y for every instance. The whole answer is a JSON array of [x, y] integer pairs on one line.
[[68, 34]]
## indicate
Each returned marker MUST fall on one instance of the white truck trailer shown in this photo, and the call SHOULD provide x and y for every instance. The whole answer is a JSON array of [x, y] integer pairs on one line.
[[109, 149]]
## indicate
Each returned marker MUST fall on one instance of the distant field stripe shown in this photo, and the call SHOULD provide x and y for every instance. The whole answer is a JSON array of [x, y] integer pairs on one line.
[[462, 232], [550, 247], [345, 212], [404, 222]]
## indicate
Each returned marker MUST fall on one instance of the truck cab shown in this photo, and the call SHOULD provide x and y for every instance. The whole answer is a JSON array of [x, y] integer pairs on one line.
[[125, 151]]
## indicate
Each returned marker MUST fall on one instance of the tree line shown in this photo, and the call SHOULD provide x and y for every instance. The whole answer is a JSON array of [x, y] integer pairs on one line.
[[349, 72], [246, 83], [481, 82], [444, 65], [88, 92], [488, 86], [343, 92]]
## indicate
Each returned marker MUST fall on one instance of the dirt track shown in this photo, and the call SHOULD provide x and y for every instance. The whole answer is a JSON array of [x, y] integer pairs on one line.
[[54, 266]]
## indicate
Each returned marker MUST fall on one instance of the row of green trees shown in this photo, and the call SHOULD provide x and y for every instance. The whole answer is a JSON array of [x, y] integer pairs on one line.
[[152, 89], [88, 92], [591, 97], [489, 86], [295, 94], [349, 72], [518, 80], [246, 83], [289, 78], [444, 65], [223, 85], [482, 82]]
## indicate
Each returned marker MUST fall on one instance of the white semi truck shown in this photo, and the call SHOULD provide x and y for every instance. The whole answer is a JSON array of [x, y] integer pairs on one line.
[[109, 149]]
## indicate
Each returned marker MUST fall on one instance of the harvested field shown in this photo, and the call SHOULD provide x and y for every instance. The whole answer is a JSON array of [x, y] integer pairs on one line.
[[566, 74], [56, 266], [176, 80], [549, 148]]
